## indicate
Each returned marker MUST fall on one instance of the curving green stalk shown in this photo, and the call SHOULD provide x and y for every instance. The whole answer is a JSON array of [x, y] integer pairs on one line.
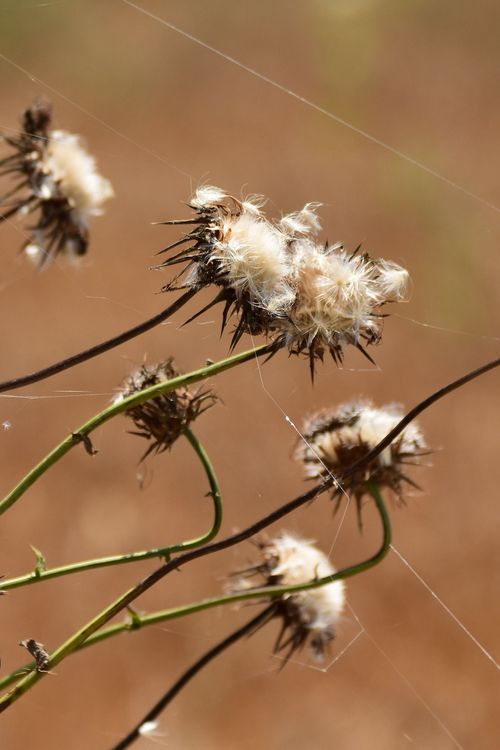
[[37, 575], [262, 618], [81, 433], [137, 621], [76, 640]]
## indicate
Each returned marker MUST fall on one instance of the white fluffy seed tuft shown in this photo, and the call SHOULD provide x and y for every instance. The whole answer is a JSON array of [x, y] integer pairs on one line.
[[254, 204], [207, 196], [393, 281], [297, 561], [253, 256], [335, 297], [335, 438], [71, 172], [308, 616], [302, 223]]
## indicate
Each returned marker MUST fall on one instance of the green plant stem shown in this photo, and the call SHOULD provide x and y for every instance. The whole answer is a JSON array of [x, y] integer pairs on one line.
[[259, 620], [76, 640], [137, 621], [125, 600], [38, 575], [76, 437]]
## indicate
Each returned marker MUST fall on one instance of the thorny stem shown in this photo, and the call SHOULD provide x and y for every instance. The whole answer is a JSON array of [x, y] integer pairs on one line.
[[247, 629], [77, 639], [94, 351], [82, 432], [38, 575], [138, 621]]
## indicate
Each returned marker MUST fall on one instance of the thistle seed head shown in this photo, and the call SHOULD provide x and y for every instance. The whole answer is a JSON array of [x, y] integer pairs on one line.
[[59, 182], [335, 301], [280, 281], [162, 419], [307, 616], [234, 247], [334, 439]]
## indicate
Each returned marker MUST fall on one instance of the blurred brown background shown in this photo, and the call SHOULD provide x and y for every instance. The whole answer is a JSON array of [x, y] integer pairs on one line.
[[162, 114]]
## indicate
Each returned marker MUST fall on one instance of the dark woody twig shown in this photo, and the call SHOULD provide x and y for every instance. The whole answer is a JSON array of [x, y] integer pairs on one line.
[[94, 351], [246, 629]]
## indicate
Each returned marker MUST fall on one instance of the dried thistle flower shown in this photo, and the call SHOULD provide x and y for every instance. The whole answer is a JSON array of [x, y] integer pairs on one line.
[[307, 616], [163, 418], [336, 438], [235, 248], [279, 281], [59, 180], [338, 296]]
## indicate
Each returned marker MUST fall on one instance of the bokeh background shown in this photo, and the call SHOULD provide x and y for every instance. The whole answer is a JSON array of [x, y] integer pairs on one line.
[[163, 114]]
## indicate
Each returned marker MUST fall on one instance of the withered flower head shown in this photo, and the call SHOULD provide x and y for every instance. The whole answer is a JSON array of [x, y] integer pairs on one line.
[[163, 418], [58, 181], [336, 438], [279, 280], [307, 616], [235, 248], [338, 297]]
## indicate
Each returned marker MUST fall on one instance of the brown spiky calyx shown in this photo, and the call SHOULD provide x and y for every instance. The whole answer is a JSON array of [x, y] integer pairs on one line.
[[162, 419]]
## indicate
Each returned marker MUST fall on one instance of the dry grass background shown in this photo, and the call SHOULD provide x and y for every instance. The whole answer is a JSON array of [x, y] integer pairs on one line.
[[162, 114]]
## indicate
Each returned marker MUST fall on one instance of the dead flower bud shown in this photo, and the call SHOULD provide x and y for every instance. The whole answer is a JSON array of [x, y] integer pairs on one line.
[[58, 179], [336, 438], [279, 281], [163, 418], [307, 616]]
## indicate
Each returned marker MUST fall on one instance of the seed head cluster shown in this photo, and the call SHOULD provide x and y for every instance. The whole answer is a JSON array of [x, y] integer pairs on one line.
[[162, 419], [280, 280], [58, 181], [334, 439], [309, 616]]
